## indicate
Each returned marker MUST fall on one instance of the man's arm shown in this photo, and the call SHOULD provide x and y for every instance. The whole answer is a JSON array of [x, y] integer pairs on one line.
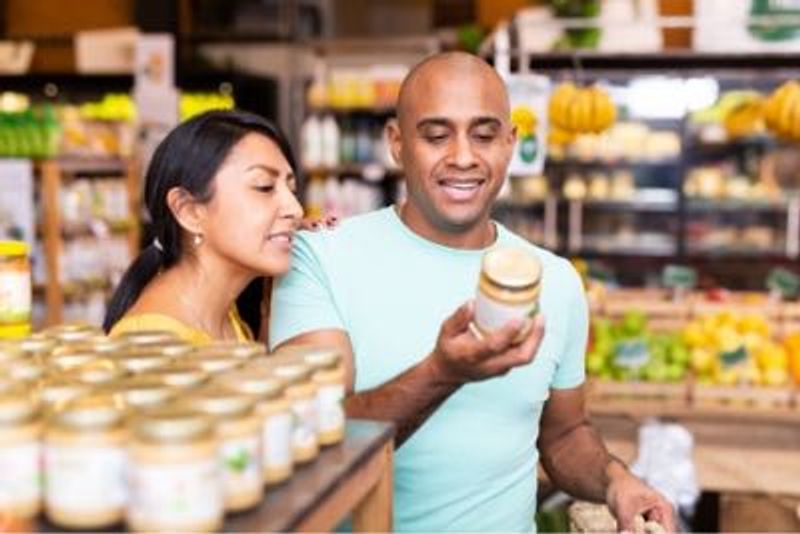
[[577, 461], [409, 399]]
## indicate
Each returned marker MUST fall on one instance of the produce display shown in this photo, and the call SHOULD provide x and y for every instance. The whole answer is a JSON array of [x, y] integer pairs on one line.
[[574, 109]]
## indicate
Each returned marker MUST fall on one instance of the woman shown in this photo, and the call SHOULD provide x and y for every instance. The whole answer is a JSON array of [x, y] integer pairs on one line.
[[220, 192]]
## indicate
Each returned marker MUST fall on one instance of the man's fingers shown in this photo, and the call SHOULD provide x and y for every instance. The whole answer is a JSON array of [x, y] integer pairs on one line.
[[664, 515], [502, 339], [530, 346], [459, 321]]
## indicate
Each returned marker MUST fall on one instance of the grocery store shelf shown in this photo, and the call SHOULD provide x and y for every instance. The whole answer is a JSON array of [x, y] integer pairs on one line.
[[368, 170], [606, 165], [730, 253], [625, 252], [375, 111], [656, 206], [88, 165], [703, 205]]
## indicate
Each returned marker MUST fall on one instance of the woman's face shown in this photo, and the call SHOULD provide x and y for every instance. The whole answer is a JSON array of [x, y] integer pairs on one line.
[[253, 213]]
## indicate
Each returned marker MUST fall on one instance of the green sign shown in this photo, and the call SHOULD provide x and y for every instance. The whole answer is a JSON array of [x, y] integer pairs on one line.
[[679, 277], [784, 282], [774, 8]]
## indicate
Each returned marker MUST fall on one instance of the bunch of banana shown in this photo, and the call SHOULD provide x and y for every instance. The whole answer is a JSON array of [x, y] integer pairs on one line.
[[782, 111], [745, 119], [581, 109]]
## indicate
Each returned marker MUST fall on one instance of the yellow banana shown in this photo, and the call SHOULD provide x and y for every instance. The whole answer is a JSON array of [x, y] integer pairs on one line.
[[559, 103], [786, 112], [776, 106]]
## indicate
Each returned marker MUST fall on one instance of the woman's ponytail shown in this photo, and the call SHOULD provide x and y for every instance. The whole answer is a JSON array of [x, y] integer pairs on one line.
[[140, 273]]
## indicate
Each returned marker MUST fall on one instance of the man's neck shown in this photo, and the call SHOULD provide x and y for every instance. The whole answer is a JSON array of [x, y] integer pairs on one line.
[[481, 235]]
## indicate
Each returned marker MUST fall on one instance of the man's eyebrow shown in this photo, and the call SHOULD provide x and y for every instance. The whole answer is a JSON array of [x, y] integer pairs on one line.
[[433, 121], [485, 121]]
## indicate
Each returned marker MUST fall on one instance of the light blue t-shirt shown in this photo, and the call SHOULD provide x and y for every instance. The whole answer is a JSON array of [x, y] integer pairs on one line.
[[472, 465]]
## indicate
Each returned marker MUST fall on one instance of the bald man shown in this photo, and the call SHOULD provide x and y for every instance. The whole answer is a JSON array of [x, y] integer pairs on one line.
[[392, 289]]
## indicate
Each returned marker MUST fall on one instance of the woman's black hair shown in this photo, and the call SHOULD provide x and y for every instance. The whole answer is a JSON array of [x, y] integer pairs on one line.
[[189, 158]]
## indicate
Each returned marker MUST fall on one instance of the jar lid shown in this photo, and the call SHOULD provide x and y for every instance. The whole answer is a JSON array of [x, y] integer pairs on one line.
[[14, 248], [211, 363], [91, 412], [26, 370], [322, 357], [510, 267], [149, 337], [143, 391], [258, 382], [17, 405], [176, 349], [105, 344], [38, 344], [236, 349], [70, 360], [293, 373], [173, 424], [221, 402], [71, 333], [11, 351], [140, 362], [17, 331], [179, 374], [56, 391], [98, 371]]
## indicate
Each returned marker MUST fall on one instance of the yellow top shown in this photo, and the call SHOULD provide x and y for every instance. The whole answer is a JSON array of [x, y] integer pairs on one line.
[[13, 248], [158, 321]]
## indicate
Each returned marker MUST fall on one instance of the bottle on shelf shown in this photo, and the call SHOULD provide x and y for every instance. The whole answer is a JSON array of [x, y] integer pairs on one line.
[[331, 137], [311, 141], [347, 143]]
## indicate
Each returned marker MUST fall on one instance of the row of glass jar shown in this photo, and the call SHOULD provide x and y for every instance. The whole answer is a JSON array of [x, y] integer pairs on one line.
[[152, 431]]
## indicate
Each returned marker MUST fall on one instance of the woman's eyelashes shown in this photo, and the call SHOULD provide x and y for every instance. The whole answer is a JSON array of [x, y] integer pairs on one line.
[[267, 188]]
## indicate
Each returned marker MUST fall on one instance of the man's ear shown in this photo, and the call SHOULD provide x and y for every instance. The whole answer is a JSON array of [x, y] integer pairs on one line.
[[190, 214], [394, 137]]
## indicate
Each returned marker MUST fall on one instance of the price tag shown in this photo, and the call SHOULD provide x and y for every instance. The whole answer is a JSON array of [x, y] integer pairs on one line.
[[678, 277], [783, 282], [632, 354]]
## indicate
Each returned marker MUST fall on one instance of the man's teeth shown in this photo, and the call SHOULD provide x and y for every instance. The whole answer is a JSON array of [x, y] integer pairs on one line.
[[464, 186]]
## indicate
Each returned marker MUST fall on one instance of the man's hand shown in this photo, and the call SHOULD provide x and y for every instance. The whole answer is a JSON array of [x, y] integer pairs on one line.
[[627, 497], [460, 356]]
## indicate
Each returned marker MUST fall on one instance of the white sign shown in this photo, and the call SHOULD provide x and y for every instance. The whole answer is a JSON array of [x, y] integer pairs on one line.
[[529, 94], [154, 83], [17, 218]]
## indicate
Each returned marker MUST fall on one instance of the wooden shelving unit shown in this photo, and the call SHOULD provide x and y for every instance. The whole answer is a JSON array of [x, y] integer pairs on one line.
[[53, 174]]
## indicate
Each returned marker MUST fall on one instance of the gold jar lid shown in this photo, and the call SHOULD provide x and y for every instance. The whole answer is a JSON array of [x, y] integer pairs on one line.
[[511, 267], [138, 361], [173, 424], [221, 402], [17, 405], [38, 344], [321, 357], [29, 369], [236, 349], [179, 374], [107, 345], [56, 391], [98, 371], [260, 383], [142, 391], [149, 337], [212, 363], [10, 351], [70, 360], [95, 411], [293, 373], [176, 349], [72, 333]]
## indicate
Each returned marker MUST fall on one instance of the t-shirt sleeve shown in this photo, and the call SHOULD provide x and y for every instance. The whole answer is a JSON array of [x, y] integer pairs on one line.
[[302, 300], [571, 370]]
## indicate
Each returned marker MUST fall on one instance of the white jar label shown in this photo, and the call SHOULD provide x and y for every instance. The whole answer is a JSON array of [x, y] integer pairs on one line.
[[85, 479], [329, 407], [21, 479], [492, 315], [277, 440], [175, 495], [15, 295], [240, 459], [304, 427]]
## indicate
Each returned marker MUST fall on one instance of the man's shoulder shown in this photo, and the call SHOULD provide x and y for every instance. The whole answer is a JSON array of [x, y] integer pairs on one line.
[[349, 235]]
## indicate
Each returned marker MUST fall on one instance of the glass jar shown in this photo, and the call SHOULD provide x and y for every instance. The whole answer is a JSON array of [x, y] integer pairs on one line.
[[144, 338], [302, 395], [56, 391], [141, 392], [84, 457], [274, 411], [174, 474], [15, 290], [239, 434], [508, 289], [179, 374], [245, 350], [143, 360], [38, 345], [20, 453], [64, 361], [213, 363], [329, 377], [97, 372]]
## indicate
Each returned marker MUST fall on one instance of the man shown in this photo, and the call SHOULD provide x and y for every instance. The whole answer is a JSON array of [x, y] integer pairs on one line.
[[382, 287]]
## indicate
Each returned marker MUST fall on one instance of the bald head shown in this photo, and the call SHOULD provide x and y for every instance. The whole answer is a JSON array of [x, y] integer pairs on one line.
[[447, 72]]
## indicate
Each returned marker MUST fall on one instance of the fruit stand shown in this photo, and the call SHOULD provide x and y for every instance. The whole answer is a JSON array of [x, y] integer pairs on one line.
[[725, 366]]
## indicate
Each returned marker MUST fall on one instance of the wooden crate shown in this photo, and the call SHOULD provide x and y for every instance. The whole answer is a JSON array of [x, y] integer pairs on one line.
[[742, 512], [737, 397], [738, 303], [666, 394], [656, 304]]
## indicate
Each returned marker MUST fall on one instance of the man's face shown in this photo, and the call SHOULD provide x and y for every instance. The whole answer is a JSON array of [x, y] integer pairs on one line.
[[454, 141]]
